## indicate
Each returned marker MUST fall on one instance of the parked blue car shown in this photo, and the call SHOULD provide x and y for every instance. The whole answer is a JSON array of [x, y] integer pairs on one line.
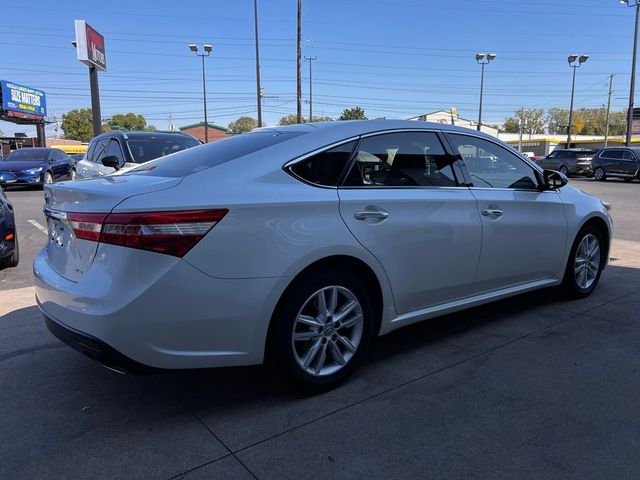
[[36, 166], [9, 252]]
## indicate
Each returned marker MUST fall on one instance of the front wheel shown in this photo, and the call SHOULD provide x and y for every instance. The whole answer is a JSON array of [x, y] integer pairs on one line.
[[322, 329], [586, 261], [72, 174], [599, 174], [48, 178]]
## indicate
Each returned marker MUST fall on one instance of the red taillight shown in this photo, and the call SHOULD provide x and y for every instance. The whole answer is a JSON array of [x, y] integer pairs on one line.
[[171, 233]]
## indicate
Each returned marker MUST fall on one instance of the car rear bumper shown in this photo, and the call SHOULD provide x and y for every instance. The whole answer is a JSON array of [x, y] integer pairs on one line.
[[96, 349], [171, 316]]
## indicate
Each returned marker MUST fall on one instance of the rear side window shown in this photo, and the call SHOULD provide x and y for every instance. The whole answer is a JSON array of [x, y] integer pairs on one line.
[[407, 159], [200, 158], [325, 167]]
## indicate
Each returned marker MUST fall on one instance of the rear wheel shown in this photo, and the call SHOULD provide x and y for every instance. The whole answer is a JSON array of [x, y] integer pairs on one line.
[[586, 260], [599, 174], [322, 329], [13, 259]]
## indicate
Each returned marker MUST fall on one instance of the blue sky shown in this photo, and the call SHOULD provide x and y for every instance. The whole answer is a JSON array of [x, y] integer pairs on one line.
[[396, 59]]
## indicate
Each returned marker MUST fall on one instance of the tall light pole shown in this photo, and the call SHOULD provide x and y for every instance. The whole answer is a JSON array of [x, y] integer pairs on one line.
[[632, 87], [299, 65], [207, 51], [310, 60], [572, 63], [482, 59], [258, 87]]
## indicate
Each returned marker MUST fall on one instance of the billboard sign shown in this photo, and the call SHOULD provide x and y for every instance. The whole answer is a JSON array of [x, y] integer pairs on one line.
[[20, 101], [90, 46]]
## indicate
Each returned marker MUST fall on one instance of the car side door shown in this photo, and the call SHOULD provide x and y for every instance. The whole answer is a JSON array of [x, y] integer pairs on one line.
[[524, 228], [402, 202], [57, 165], [628, 165], [611, 160]]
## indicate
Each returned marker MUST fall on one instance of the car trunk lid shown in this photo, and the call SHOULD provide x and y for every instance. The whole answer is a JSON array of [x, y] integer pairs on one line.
[[68, 255]]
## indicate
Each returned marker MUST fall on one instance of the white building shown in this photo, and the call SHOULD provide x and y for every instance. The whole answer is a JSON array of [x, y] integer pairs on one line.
[[452, 118]]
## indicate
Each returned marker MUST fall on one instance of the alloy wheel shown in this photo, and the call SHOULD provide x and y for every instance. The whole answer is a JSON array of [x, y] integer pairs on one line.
[[327, 331], [73, 174], [598, 174], [587, 261], [48, 178]]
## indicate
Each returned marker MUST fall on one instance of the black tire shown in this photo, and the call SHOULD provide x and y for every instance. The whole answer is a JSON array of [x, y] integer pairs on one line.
[[13, 259], [281, 348], [72, 174], [569, 282], [564, 170], [599, 174]]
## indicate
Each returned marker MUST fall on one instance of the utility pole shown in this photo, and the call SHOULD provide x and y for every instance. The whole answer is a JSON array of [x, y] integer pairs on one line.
[[258, 87], [310, 59], [521, 118], [299, 63], [606, 130], [632, 86]]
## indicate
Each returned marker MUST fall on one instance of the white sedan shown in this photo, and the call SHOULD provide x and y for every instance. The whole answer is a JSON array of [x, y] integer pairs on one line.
[[301, 244]]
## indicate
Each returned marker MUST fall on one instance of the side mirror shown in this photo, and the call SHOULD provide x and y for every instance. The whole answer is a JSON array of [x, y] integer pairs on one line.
[[554, 180], [111, 161]]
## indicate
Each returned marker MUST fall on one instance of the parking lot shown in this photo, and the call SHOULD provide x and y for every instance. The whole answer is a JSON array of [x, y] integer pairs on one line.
[[531, 387]]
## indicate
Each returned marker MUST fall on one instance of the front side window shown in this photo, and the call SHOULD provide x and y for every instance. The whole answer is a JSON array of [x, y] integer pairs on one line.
[[492, 166], [554, 155], [116, 151], [324, 168], [406, 159], [612, 154], [100, 151]]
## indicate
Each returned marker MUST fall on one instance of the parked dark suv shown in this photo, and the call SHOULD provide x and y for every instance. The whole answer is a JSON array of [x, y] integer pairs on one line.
[[128, 148], [567, 160], [9, 251], [619, 162]]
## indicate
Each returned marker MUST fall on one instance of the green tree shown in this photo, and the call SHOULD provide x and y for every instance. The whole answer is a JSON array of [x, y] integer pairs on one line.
[[289, 120], [557, 120], [355, 113], [243, 124], [77, 124], [511, 125], [128, 121]]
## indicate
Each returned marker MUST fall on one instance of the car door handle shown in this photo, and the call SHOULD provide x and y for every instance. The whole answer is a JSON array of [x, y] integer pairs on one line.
[[371, 215], [492, 212]]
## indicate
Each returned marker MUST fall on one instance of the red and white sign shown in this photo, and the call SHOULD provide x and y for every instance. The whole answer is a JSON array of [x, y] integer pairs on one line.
[[90, 46]]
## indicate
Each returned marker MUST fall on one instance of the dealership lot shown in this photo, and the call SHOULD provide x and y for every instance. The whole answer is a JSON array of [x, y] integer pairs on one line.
[[531, 387]]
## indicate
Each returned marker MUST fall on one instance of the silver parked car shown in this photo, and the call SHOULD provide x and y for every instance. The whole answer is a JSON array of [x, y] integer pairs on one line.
[[303, 243]]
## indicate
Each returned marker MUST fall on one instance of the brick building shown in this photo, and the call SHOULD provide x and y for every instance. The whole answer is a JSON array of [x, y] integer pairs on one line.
[[197, 130]]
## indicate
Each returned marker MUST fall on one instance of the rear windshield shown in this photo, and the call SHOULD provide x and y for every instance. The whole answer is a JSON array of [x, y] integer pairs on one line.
[[212, 154], [144, 149], [27, 154]]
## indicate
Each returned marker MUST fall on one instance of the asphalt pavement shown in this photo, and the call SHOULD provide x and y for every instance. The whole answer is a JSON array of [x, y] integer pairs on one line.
[[530, 387]]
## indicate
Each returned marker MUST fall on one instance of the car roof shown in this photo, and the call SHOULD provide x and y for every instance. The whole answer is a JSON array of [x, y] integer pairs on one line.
[[360, 127], [126, 134], [37, 149]]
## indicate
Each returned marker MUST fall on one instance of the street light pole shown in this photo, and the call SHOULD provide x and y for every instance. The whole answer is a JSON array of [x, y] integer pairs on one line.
[[310, 59], [482, 59], [207, 52], [258, 87], [572, 63], [632, 86]]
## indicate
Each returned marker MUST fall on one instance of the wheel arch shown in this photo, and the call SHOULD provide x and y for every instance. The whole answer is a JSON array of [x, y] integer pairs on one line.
[[342, 262], [603, 227]]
